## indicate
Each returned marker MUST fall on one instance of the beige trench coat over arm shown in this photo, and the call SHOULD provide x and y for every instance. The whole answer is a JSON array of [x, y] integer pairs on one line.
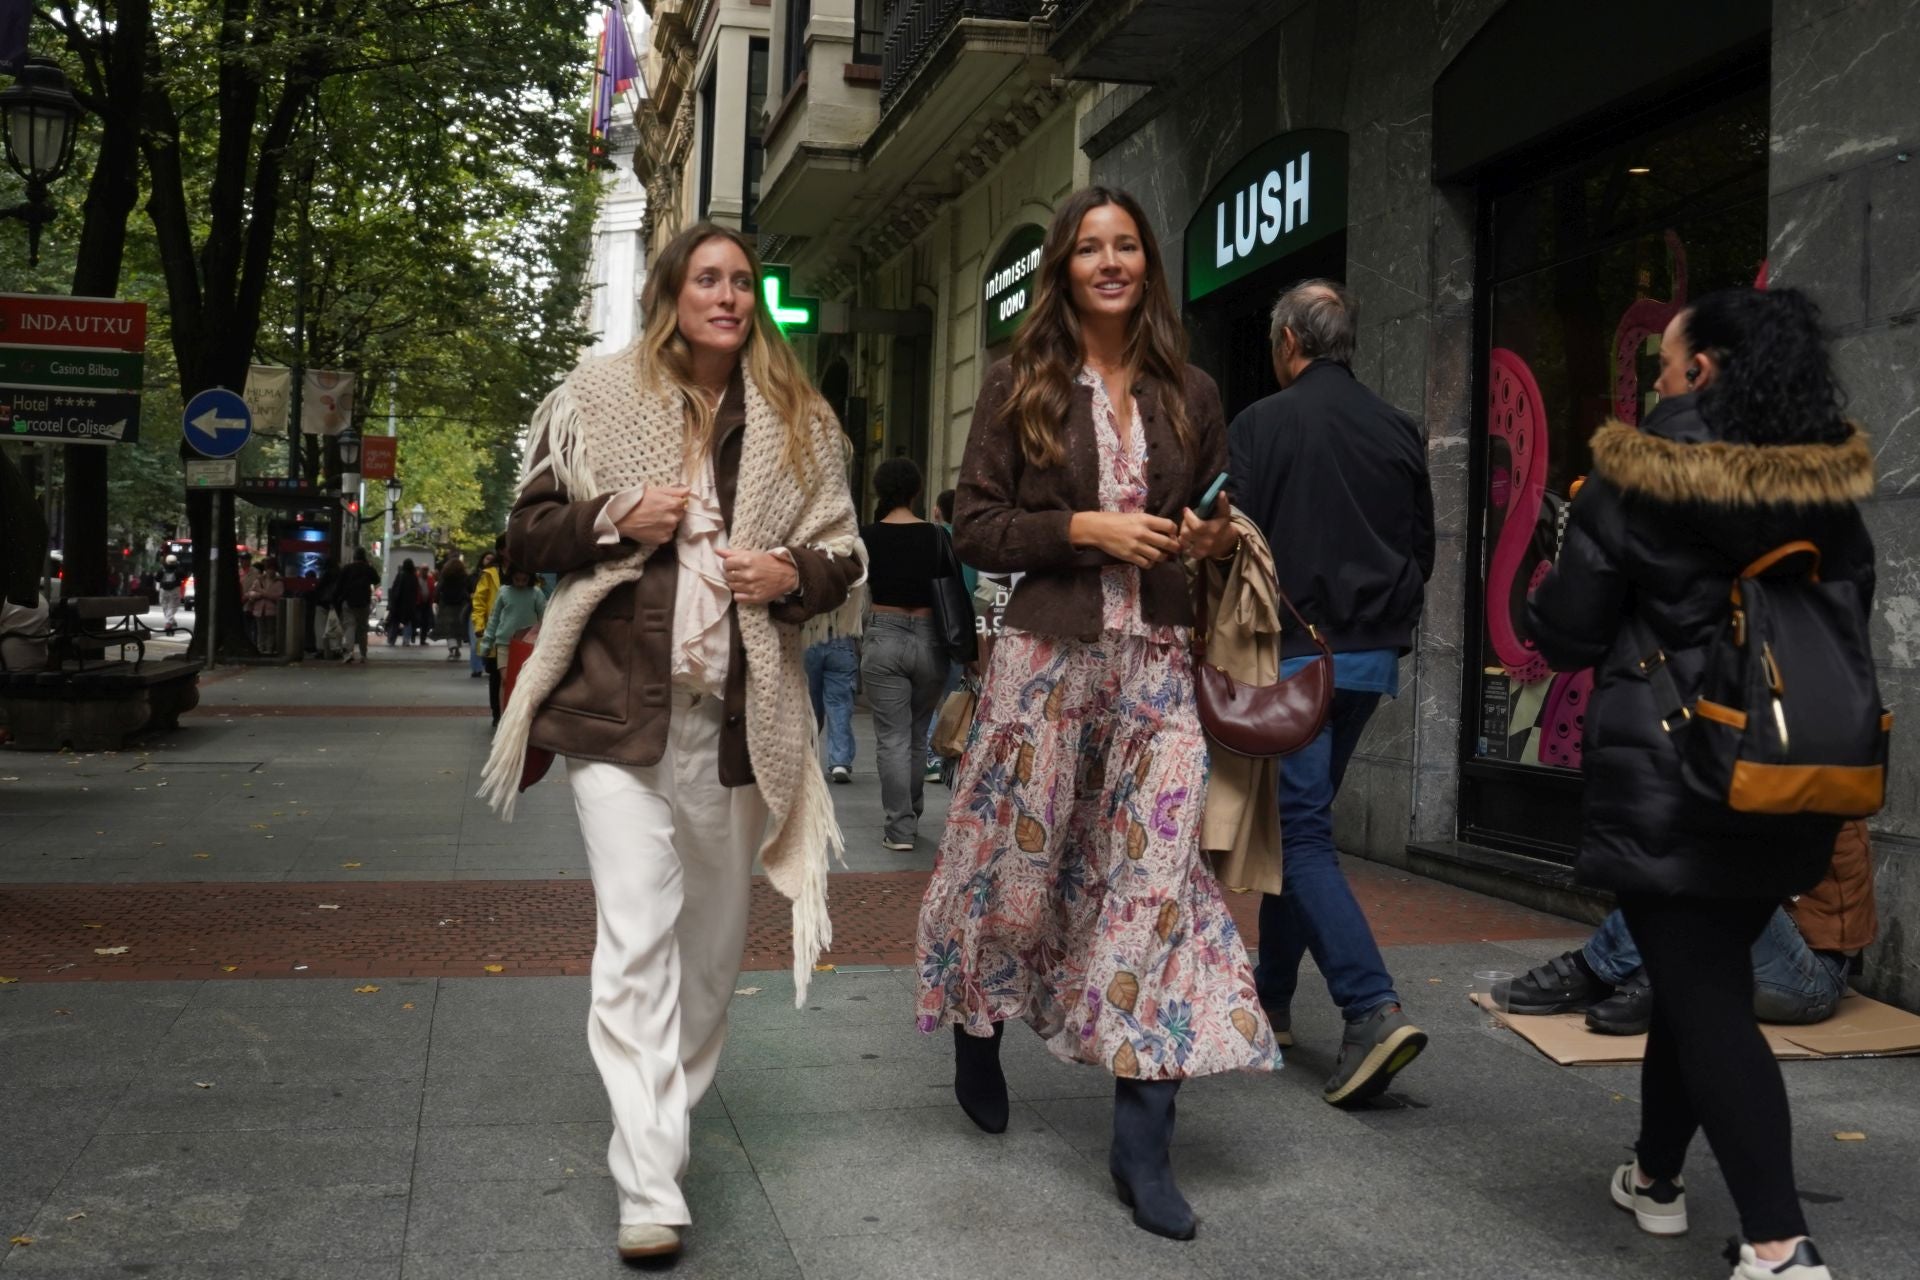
[[1241, 831]]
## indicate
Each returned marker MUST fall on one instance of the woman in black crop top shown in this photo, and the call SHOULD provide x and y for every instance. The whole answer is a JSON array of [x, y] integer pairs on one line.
[[902, 660]]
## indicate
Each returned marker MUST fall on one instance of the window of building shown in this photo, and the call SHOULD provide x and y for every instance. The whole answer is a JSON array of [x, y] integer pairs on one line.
[[869, 31], [706, 144], [1584, 266], [793, 58], [753, 150]]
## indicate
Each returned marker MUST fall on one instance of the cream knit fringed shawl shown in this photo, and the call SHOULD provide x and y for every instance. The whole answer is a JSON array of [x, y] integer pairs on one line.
[[599, 432]]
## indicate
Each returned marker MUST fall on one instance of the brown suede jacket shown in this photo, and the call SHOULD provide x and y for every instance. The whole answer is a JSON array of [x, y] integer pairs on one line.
[[1839, 914], [1010, 516], [616, 700]]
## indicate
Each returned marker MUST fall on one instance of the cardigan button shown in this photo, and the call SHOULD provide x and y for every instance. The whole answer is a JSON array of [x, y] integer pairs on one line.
[[735, 721]]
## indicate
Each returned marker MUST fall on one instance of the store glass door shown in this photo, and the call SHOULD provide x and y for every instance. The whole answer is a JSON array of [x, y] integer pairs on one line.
[[1583, 269]]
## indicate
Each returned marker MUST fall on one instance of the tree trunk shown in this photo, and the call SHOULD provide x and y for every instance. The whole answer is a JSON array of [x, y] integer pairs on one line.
[[118, 76]]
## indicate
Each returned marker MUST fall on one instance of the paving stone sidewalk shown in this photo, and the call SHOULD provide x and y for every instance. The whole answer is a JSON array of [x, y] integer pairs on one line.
[[439, 1127]]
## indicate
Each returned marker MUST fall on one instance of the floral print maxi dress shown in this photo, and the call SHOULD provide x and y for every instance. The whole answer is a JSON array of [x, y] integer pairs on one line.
[[1070, 888]]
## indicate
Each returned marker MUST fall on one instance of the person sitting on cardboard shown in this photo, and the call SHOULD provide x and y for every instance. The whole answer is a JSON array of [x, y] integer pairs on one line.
[[1800, 962]]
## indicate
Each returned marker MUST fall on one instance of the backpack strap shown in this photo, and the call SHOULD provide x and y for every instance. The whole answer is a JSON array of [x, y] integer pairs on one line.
[[1800, 546], [1670, 706]]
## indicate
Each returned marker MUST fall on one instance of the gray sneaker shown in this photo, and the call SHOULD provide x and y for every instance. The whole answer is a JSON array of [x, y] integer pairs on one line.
[[1660, 1207], [1372, 1052]]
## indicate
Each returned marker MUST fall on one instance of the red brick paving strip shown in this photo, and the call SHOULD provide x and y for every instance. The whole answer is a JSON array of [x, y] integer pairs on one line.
[[538, 927]]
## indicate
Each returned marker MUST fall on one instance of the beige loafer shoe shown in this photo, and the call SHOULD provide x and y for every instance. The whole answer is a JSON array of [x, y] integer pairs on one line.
[[648, 1240]]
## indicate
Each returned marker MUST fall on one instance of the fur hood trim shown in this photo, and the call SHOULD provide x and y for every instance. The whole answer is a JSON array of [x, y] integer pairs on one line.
[[1724, 474]]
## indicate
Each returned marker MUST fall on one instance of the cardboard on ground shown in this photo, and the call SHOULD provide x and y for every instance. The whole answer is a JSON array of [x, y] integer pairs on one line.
[[1861, 1028]]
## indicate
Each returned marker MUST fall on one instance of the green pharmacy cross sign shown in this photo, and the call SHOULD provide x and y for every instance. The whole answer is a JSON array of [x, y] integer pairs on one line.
[[792, 314]]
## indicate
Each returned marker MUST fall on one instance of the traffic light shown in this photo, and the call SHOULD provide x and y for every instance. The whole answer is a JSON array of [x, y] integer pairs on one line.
[[353, 506]]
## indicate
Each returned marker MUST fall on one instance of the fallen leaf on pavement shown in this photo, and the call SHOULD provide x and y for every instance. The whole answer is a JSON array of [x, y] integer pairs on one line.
[[329, 906], [494, 968], [823, 968], [91, 925], [258, 826], [203, 855], [1435, 981], [1849, 1135], [407, 1005], [229, 968], [350, 865], [75, 1217], [746, 991], [109, 951], [22, 1241], [8, 981], [63, 1013], [203, 1084], [367, 990]]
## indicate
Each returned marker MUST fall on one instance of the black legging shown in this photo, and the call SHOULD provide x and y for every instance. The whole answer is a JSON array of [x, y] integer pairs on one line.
[[493, 687], [1707, 1065]]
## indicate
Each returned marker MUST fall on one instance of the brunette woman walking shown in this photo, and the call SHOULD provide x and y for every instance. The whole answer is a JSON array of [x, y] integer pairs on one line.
[[902, 658], [690, 489], [1070, 889], [1745, 452]]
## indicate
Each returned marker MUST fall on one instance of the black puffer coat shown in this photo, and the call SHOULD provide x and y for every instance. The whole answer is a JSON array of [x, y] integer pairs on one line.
[[1670, 515]]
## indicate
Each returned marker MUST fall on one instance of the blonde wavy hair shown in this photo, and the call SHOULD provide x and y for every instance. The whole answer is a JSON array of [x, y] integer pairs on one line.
[[666, 358]]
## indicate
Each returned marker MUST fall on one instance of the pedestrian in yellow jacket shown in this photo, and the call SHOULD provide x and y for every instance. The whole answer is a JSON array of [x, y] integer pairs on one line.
[[486, 585]]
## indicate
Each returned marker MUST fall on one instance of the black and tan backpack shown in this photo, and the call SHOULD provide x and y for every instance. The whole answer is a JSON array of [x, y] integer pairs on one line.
[[1787, 717]]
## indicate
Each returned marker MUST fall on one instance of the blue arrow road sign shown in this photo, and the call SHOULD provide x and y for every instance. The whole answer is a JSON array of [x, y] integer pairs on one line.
[[217, 423]]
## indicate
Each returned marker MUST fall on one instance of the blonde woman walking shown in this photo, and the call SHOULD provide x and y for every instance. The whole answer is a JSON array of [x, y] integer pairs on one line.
[[690, 491]]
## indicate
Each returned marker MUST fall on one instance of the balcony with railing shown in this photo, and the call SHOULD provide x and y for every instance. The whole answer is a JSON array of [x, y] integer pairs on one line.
[[917, 29], [1147, 41]]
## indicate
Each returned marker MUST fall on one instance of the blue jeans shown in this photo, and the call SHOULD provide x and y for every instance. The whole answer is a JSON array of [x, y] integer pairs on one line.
[[474, 661], [1315, 910], [1792, 983], [830, 668]]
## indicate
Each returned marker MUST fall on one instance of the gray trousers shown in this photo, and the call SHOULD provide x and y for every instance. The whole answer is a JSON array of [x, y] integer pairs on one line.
[[905, 668]]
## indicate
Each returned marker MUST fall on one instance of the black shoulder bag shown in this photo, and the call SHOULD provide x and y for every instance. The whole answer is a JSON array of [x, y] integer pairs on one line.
[[952, 605]]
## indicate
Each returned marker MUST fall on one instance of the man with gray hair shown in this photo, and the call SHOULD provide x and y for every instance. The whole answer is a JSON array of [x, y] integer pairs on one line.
[[1337, 480]]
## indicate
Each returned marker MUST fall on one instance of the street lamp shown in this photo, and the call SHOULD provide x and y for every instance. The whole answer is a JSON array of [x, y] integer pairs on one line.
[[38, 114], [419, 514]]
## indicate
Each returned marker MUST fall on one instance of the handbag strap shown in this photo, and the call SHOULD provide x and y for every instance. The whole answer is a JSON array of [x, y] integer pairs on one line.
[[1202, 612]]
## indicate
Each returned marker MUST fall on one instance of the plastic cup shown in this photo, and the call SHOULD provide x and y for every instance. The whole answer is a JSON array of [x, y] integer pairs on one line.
[[1492, 990]]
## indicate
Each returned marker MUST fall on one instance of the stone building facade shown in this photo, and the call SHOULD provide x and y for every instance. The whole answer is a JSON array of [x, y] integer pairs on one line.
[[1517, 192], [1449, 112]]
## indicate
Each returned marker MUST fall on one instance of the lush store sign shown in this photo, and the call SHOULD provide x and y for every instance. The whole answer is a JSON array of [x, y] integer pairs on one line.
[[1013, 280], [1283, 196]]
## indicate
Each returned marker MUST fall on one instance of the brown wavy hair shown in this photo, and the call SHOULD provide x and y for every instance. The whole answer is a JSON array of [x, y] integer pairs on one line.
[[1048, 350], [666, 358]]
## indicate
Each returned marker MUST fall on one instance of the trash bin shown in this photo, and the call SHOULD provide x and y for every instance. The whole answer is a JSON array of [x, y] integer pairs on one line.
[[293, 630]]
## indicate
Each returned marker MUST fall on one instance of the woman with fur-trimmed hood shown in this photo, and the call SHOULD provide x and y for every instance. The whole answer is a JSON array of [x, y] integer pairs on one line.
[[1747, 450], [690, 490]]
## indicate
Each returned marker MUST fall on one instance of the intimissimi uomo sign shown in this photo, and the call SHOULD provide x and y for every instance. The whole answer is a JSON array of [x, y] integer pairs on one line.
[[1281, 197], [1011, 280]]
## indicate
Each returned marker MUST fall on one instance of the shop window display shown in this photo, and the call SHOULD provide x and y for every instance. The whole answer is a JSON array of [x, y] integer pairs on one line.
[[1588, 265]]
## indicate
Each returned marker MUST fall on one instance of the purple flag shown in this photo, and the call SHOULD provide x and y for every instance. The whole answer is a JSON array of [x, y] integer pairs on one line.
[[620, 66]]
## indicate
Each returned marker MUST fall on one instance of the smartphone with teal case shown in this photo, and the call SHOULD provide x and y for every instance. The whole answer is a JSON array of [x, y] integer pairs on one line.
[[1212, 495]]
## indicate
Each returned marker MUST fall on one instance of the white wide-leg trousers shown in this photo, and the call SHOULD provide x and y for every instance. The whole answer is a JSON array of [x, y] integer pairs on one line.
[[672, 856]]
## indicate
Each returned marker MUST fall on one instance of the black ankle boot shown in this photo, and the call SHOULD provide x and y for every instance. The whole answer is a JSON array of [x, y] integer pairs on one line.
[[978, 1083], [1142, 1173]]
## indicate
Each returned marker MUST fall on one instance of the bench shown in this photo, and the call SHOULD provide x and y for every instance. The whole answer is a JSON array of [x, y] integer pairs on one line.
[[99, 708], [85, 627]]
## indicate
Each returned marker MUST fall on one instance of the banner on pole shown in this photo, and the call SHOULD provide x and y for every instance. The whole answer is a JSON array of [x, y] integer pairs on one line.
[[378, 454], [269, 395], [326, 402]]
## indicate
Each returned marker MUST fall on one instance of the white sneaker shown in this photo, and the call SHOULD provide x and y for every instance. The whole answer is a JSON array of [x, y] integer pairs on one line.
[[840, 773], [1660, 1208], [1804, 1264], [648, 1240], [898, 846]]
